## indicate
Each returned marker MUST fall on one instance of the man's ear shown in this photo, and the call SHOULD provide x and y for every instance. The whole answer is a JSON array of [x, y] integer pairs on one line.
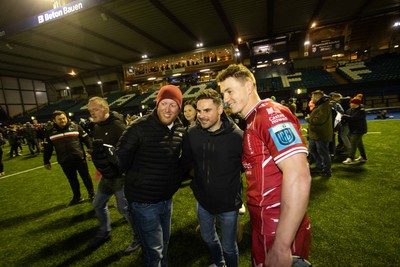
[[220, 109], [249, 87]]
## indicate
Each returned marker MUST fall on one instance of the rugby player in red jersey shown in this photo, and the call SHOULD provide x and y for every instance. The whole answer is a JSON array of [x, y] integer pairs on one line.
[[277, 172]]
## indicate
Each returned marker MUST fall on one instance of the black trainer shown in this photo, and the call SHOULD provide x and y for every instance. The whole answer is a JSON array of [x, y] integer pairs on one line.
[[91, 197], [75, 201], [99, 240]]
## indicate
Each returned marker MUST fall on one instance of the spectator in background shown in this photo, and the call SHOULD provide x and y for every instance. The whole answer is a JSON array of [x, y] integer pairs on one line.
[[31, 138], [337, 112], [344, 140], [292, 106], [67, 139], [20, 133], [108, 127], [14, 141], [320, 132], [189, 114], [356, 117], [382, 115], [277, 173], [215, 148]]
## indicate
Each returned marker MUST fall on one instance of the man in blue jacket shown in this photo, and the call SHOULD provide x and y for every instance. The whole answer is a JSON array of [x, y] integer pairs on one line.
[[214, 146]]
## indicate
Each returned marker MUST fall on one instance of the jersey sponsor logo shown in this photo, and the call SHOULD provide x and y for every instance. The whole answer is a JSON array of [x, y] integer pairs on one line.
[[277, 117], [284, 135]]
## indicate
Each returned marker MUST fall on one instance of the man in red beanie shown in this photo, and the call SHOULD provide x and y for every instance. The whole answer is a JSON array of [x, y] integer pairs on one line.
[[356, 118], [148, 153], [169, 95]]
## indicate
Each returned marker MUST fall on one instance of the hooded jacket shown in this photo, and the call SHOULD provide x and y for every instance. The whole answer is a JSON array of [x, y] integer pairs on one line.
[[216, 156], [149, 154], [320, 124]]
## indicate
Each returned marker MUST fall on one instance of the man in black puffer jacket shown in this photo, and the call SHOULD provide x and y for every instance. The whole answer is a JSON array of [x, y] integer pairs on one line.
[[214, 145], [148, 153], [108, 127]]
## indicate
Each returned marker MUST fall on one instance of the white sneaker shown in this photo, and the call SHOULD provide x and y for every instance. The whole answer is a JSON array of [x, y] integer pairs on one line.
[[360, 159], [349, 161], [242, 210]]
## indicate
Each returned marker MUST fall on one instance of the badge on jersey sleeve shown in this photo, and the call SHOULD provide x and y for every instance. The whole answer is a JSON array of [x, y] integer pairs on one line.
[[284, 135]]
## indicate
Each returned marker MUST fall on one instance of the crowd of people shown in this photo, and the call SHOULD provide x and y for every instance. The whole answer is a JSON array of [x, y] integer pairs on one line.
[[212, 139], [329, 123]]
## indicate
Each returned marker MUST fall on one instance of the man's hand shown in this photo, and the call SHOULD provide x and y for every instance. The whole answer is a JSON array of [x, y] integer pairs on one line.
[[47, 166], [105, 160], [278, 257]]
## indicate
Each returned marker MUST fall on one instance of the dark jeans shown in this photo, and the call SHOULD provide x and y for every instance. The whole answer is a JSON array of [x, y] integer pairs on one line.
[[13, 149], [357, 143], [224, 250], [71, 170], [153, 221], [320, 152], [105, 190], [32, 144]]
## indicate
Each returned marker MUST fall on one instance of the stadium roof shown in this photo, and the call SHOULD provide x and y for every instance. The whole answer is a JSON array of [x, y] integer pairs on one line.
[[91, 36]]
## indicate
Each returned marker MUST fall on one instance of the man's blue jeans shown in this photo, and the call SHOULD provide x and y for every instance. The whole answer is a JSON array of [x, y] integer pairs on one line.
[[105, 190], [153, 221], [320, 152], [229, 249]]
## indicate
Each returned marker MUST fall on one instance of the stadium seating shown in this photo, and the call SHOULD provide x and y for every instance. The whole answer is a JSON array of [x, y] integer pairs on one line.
[[379, 68], [304, 78]]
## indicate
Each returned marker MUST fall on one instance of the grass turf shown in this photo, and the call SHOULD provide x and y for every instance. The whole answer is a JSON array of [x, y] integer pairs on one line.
[[355, 215]]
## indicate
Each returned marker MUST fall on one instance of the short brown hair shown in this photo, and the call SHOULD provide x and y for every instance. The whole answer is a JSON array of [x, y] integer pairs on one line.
[[237, 71], [57, 113], [210, 94]]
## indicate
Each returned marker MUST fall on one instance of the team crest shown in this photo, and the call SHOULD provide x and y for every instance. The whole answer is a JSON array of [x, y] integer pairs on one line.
[[284, 135]]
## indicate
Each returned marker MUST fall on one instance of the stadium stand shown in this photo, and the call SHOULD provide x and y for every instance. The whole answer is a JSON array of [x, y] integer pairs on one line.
[[379, 68]]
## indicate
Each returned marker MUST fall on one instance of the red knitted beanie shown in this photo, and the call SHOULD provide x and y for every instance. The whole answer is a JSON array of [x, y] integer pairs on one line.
[[357, 99], [170, 92]]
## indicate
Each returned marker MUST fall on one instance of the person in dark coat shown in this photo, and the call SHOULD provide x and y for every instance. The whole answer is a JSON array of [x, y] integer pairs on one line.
[[356, 118], [148, 152], [108, 127], [30, 135], [320, 132], [68, 138], [214, 146]]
